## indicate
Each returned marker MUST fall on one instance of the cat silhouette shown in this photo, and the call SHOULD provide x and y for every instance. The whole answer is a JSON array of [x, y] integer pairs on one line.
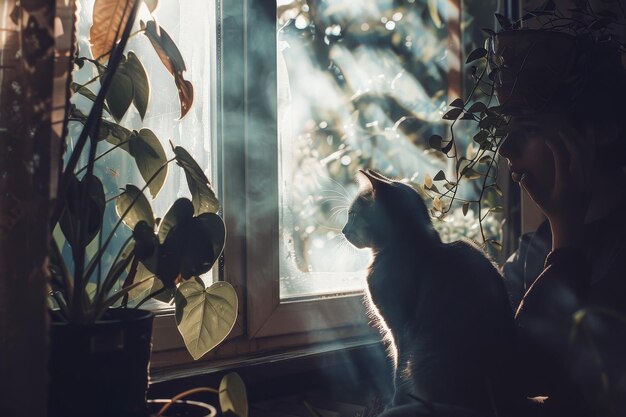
[[441, 307]]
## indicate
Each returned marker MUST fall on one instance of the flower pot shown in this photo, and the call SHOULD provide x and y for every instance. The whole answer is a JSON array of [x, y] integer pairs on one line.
[[100, 369]]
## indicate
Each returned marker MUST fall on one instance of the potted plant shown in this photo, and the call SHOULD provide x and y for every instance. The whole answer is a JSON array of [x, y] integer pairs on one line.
[[100, 344]]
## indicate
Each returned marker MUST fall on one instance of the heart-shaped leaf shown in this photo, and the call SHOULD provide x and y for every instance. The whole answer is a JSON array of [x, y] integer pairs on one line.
[[146, 242], [173, 61], [149, 156], [180, 212], [138, 207], [141, 85], [120, 94], [74, 217], [232, 395], [206, 235], [191, 248], [203, 197], [204, 316], [109, 18]]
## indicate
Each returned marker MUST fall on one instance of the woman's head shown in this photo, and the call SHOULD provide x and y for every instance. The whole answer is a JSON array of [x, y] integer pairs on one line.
[[582, 102]]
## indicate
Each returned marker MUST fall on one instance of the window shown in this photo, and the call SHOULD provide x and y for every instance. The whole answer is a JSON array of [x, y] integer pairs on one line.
[[291, 98]]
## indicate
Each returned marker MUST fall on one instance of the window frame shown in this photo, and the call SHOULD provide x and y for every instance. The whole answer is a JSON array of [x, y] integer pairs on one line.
[[246, 175]]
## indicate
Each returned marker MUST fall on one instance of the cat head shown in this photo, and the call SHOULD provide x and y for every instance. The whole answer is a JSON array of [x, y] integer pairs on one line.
[[387, 212]]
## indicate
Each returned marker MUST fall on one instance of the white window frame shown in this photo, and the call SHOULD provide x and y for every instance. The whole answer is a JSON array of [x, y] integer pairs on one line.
[[246, 133]]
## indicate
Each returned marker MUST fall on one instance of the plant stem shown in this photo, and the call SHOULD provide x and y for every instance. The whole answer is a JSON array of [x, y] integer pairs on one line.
[[95, 113], [119, 222], [183, 395], [151, 295], [103, 154]]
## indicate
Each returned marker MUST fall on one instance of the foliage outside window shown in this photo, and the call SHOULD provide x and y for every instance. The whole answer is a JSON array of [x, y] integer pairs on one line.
[[365, 85]]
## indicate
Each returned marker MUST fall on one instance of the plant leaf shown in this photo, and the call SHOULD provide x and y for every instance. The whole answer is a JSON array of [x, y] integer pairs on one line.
[[439, 176], [202, 195], [477, 107], [457, 102], [150, 156], [476, 54], [185, 94], [180, 212], [465, 208], [173, 61], [87, 93], [452, 114], [205, 236], [141, 86], [120, 95], [109, 19], [140, 209], [72, 217], [151, 4], [232, 395], [435, 142], [204, 316]]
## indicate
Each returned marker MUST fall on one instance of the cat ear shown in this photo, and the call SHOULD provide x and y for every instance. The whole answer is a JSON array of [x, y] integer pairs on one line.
[[376, 181]]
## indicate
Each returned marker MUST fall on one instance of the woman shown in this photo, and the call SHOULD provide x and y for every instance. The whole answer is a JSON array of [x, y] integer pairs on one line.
[[568, 279]]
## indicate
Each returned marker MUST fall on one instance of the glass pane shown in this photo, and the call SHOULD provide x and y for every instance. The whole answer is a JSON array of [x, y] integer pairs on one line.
[[189, 25], [362, 84]]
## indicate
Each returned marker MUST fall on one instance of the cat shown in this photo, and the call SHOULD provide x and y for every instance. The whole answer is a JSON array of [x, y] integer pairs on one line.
[[442, 307]]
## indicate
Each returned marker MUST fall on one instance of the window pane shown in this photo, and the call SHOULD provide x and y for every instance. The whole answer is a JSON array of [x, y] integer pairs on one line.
[[189, 25], [362, 84]]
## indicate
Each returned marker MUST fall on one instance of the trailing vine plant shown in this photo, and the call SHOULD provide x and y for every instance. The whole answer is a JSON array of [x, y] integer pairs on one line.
[[486, 120]]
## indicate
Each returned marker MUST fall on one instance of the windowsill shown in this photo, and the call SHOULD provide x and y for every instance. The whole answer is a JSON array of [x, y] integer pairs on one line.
[[273, 374]]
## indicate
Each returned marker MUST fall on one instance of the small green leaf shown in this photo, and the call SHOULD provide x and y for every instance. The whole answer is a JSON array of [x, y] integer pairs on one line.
[[149, 156], [476, 54], [452, 114], [204, 316], [439, 176], [138, 207], [471, 174], [202, 195], [232, 395], [435, 142], [477, 107], [481, 136], [448, 147], [458, 103], [141, 85]]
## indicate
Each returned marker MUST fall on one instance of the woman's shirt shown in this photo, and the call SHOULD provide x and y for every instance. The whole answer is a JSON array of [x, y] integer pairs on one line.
[[571, 316]]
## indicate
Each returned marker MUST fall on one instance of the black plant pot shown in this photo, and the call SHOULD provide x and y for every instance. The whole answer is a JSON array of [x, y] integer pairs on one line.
[[100, 369]]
